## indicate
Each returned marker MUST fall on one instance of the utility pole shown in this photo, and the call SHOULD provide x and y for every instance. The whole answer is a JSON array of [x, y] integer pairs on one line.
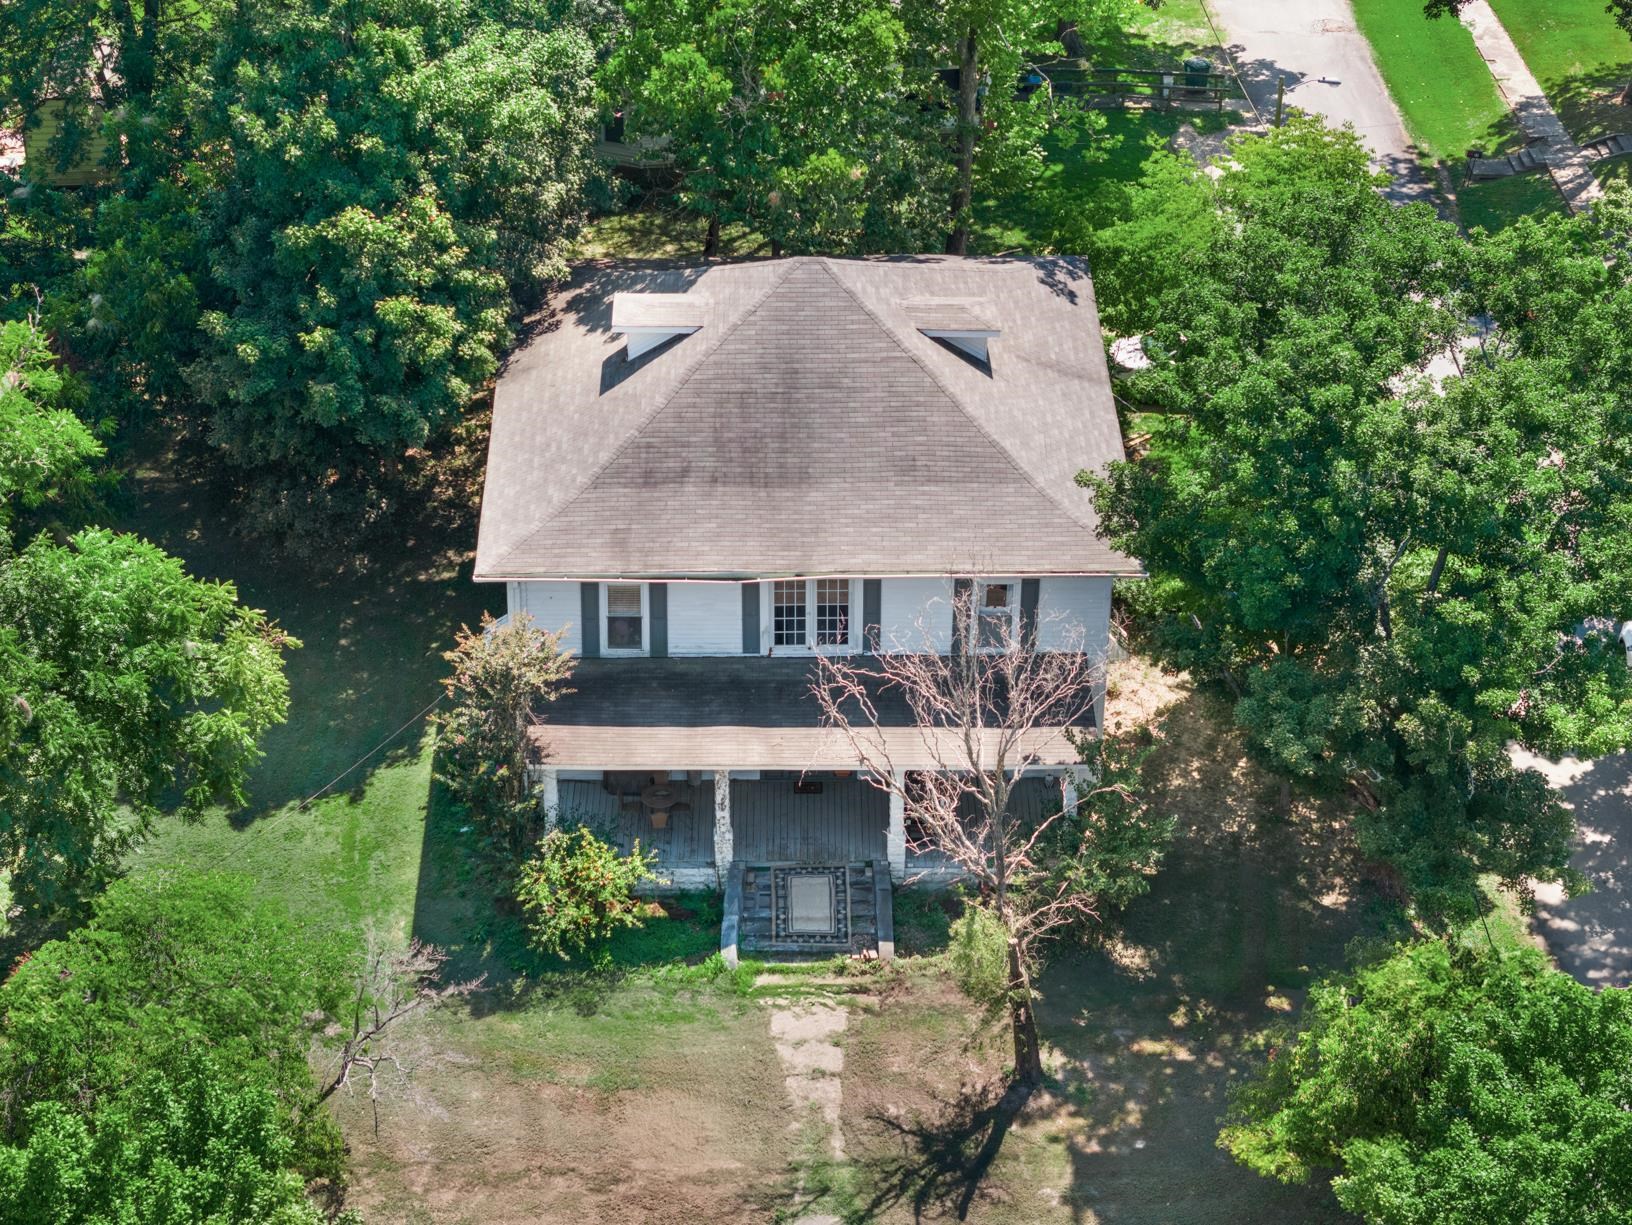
[[1280, 101]]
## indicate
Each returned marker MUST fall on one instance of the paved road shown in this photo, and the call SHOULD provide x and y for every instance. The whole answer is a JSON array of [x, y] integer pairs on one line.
[[1327, 64], [1591, 936]]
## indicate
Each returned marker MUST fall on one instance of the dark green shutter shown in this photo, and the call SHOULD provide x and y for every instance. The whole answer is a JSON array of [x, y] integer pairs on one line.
[[750, 618], [963, 604], [590, 597], [658, 603], [1028, 612], [872, 613]]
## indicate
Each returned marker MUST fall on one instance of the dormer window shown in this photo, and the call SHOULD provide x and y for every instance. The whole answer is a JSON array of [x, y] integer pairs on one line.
[[963, 323], [648, 320]]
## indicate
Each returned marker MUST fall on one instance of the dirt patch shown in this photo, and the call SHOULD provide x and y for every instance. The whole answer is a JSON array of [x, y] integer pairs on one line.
[[1146, 1036], [655, 1120]]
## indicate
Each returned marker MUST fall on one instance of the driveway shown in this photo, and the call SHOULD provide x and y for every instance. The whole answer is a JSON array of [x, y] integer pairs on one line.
[[1591, 936], [1318, 48]]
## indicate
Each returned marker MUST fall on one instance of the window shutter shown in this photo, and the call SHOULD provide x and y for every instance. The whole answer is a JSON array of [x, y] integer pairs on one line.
[[963, 600], [750, 618], [872, 613], [590, 600], [658, 596], [1029, 588]]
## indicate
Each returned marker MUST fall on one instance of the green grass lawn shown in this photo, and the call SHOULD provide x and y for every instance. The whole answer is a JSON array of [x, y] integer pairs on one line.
[[1437, 77], [1159, 38], [1497, 203], [1580, 56]]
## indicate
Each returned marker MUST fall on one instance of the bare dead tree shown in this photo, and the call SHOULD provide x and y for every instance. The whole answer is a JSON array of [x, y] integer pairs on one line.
[[393, 985], [990, 714]]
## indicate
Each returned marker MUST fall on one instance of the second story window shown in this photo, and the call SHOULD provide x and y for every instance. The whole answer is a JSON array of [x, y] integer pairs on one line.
[[810, 614], [625, 618], [995, 607]]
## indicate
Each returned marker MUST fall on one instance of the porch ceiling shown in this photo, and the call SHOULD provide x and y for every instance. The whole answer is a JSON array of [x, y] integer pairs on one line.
[[749, 713]]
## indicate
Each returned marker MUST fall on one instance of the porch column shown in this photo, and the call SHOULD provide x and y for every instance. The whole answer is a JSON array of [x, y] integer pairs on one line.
[[724, 851], [549, 796], [1075, 783], [895, 838]]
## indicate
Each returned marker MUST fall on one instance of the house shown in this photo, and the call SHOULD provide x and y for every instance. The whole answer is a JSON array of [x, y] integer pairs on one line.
[[708, 475], [89, 161]]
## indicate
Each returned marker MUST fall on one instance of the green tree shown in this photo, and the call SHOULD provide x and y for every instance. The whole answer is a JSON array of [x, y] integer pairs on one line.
[[393, 171], [174, 969], [43, 443], [1455, 1087], [192, 1145], [125, 684], [997, 136], [503, 677], [1386, 575], [791, 116]]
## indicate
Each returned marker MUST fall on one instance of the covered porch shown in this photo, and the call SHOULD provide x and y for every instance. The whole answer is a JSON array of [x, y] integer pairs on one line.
[[815, 818]]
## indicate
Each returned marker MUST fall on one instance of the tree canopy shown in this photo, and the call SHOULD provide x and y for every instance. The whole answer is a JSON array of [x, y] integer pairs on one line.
[[177, 977], [1454, 1087], [127, 687], [1390, 572], [322, 219]]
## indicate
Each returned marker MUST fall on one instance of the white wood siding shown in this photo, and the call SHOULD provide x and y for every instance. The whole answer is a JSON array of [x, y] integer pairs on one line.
[[551, 606], [705, 619], [915, 614], [1069, 607]]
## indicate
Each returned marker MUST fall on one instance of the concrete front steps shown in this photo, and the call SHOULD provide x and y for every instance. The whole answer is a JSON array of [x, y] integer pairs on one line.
[[755, 922], [1609, 146], [1532, 157]]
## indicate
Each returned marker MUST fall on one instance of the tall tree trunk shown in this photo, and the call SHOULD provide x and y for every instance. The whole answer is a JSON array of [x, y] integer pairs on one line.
[[711, 244], [1028, 1051], [957, 241]]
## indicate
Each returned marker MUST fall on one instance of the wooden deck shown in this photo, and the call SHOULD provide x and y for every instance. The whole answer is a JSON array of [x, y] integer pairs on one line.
[[846, 822]]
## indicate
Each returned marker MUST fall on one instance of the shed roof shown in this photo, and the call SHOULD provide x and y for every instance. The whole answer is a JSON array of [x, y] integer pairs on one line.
[[807, 427]]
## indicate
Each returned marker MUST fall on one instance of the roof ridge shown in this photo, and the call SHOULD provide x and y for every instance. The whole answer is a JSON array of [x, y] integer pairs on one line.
[[980, 426], [635, 430]]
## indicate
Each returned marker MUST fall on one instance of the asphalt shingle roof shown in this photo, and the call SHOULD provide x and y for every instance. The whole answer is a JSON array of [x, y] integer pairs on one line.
[[808, 427], [746, 714]]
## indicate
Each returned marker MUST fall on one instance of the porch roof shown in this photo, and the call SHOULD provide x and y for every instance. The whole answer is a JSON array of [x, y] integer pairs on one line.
[[751, 713]]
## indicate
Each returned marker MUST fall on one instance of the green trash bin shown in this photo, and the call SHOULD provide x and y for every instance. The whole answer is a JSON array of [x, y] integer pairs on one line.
[[1196, 71]]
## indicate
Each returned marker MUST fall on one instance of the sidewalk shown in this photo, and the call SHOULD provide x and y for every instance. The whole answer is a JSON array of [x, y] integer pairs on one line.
[[1565, 160]]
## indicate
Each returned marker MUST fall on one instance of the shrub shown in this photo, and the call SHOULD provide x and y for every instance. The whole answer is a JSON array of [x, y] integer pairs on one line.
[[577, 890], [502, 676], [979, 955]]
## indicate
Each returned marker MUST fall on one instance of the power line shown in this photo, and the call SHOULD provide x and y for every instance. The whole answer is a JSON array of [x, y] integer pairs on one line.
[[1229, 59], [301, 807], [307, 802]]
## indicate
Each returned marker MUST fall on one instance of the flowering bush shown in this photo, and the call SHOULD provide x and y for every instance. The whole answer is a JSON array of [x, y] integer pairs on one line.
[[577, 890], [503, 676]]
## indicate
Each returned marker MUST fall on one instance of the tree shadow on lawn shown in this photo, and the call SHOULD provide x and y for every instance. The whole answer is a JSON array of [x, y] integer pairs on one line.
[[1588, 102], [1151, 1031], [461, 905], [372, 629]]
